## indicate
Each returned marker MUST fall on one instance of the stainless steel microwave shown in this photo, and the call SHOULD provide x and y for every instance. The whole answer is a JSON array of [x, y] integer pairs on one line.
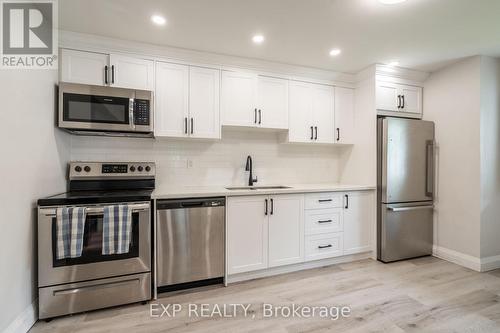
[[96, 110]]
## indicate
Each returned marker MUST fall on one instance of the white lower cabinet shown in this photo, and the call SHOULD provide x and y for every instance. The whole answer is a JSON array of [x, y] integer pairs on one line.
[[286, 229], [359, 221], [247, 234], [264, 231]]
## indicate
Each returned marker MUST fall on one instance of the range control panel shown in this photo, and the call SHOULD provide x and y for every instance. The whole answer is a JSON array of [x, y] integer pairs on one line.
[[78, 170]]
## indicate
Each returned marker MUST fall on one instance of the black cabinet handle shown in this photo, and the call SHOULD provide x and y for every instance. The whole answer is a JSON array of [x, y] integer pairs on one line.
[[185, 125], [112, 74], [192, 125], [399, 101], [255, 116], [106, 74], [325, 200], [265, 212], [346, 201], [325, 221], [260, 117], [316, 135], [312, 133], [338, 134], [324, 246], [403, 98], [272, 206]]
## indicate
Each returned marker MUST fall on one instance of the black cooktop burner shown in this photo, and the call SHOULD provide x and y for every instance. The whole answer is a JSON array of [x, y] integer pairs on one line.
[[95, 197]]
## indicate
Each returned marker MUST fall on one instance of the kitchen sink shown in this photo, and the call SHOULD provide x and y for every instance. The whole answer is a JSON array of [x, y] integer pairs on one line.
[[276, 187]]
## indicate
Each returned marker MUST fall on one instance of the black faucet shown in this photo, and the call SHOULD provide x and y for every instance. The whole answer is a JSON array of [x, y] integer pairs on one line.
[[248, 167]]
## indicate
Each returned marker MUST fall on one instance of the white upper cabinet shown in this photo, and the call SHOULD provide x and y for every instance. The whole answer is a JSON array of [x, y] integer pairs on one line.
[[323, 107], [311, 117], [131, 72], [254, 101], [84, 67], [247, 233], [359, 221], [106, 70], [172, 100], [272, 94], [344, 115], [204, 91], [405, 100], [286, 229], [187, 101], [239, 93]]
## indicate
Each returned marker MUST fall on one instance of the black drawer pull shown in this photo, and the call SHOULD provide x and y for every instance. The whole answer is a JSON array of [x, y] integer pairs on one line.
[[325, 200], [325, 221], [324, 246]]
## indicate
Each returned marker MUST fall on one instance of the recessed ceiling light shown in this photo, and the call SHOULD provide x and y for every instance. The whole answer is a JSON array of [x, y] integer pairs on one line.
[[158, 20], [335, 52], [391, 2], [393, 63], [258, 39]]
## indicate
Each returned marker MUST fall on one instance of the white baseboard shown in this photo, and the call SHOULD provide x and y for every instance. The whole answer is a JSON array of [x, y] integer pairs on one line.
[[25, 320], [490, 263], [296, 267], [465, 260]]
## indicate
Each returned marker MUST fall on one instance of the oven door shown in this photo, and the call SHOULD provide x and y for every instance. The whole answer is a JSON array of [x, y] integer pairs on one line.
[[92, 264]]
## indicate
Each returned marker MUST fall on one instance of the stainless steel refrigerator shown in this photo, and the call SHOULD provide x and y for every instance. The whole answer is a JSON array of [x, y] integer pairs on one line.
[[405, 188]]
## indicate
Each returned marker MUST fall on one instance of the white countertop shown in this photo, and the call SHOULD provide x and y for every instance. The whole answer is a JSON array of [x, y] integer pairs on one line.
[[221, 191]]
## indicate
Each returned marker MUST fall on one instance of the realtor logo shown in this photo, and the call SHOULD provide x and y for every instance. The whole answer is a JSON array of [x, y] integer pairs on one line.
[[29, 38]]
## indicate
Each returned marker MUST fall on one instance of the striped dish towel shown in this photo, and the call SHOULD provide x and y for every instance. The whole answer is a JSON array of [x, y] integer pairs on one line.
[[116, 229], [70, 229]]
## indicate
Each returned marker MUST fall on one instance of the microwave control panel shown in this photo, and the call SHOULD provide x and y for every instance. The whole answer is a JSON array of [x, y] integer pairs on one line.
[[141, 112]]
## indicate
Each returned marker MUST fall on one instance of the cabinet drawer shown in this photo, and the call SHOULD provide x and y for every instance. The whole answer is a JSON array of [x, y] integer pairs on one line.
[[323, 200], [321, 221], [324, 246]]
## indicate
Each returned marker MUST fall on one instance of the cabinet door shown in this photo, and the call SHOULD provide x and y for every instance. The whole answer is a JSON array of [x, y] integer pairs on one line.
[[344, 115], [286, 229], [172, 96], [204, 86], [387, 96], [412, 99], [130, 72], [300, 116], [323, 113], [358, 221], [272, 102], [247, 234], [83, 67], [239, 99]]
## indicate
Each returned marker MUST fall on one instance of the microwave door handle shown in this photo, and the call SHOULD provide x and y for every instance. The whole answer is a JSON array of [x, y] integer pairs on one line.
[[131, 113]]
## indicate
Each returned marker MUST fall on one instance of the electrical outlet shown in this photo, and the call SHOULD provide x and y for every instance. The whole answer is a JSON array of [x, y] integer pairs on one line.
[[189, 163]]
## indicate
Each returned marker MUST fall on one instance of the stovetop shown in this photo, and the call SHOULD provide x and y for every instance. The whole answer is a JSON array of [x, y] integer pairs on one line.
[[95, 197]]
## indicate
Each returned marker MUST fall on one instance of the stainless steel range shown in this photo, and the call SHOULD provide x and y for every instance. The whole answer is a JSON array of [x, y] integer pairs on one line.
[[94, 279]]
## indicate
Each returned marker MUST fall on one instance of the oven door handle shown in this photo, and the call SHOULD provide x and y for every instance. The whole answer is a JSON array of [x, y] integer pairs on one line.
[[98, 210]]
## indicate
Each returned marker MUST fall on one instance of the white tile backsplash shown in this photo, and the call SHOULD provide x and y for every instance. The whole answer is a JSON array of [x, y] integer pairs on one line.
[[203, 163]]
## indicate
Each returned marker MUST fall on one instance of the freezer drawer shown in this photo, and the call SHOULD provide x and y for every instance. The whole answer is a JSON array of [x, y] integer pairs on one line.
[[96, 294], [190, 240], [405, 231]]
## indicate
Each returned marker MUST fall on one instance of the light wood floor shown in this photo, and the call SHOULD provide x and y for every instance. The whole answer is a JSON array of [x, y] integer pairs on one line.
[[421, 295]]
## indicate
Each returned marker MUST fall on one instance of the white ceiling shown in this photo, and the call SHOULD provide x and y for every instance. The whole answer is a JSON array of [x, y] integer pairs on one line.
[[421, 34]]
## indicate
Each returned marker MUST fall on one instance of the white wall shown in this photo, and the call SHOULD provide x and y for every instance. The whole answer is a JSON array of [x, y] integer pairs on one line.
[[34, 156], [490, 156], [218, 162], [451, 100]]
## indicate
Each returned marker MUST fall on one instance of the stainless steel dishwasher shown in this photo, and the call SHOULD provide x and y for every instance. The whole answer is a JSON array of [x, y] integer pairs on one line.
[[190, 242]]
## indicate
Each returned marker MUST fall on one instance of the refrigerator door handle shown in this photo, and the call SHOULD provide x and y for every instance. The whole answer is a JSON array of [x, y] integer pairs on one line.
[[402, 209], [429, 169]]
